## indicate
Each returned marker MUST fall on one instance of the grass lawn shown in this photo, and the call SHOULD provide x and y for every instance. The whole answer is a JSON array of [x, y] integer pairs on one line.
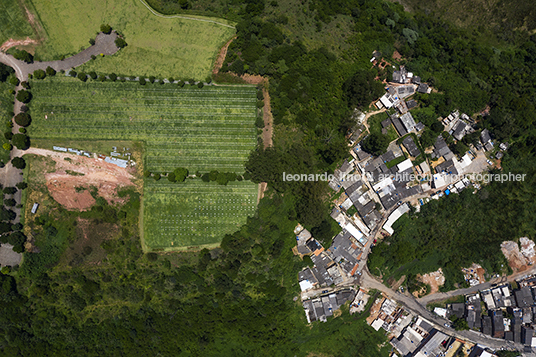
[[375, 126], [212, 128], [163, 47], [13, 21]]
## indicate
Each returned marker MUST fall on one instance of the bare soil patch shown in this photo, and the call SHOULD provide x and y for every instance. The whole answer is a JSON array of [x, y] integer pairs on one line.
[[435, 279], [14, 43], [75, 176], [516, 260]]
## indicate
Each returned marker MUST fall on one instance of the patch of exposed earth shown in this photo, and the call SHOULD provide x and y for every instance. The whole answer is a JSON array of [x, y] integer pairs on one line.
[[519, 260], [14, 43], [435, 279], [75, 176]]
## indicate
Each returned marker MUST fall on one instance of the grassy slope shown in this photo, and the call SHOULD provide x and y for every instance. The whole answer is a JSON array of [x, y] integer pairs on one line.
[[491, 20], [13, 22], [200, 129], [156, 46]]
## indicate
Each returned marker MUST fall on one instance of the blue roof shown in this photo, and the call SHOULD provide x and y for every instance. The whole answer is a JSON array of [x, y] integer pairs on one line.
[[447, 192]]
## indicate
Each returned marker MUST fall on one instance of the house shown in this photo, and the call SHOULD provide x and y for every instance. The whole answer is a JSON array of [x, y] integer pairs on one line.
[[361, 155], [400, 76], [434, 345], [484, 136], [416, 80], [35, 207], [419, 126], [488, 146], [457, 309], [394, 216], [408, 121], [410, 104], [423, 88], [399, 126], [447, 167], [405, 91], [410, 146], [526, 335], [498, 324], [524, 297], [306, 279], [441, 149], [504, 146], [460, 130], [499, 155], [388, 101]]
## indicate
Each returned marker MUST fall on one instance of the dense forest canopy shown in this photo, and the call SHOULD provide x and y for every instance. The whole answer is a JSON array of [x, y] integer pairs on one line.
[[238, 299]]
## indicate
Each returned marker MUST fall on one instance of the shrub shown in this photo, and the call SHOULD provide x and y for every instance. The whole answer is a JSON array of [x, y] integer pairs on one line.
[[113, 77], [17, 227], [107, 29], [92, 41], [151, 79], [8, 135], [9, 202], [93, 57], [142, 81], [93, 75], [171, 79], [191, 82], [157, 177], [119, 42], [7, 146], [171, 177], [50, 71], [25, 85], [22, 130], [22, 185], [23, 119], [152, 257], [200, 85], [23, 56], [82, 76], [102, 78], [73, 73], [14, 81], [180, 174], [24, 108], [19, 163], [39, 74], [24, 96], [180, 84], [21, 141], [10, 190], [146, 173]]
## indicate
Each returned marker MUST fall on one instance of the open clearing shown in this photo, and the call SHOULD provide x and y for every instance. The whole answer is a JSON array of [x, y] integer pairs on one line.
[[182, 48], [205, 129]]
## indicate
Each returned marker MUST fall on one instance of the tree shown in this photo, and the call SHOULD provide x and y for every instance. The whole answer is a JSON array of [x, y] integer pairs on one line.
[[184, 4], [24, 96], [7, 146], [171, 177], [376, 143], [102, 77], [157, 177], [50, 71], [107, 29], [9, 190], [82, 76], [21, 141], [437, 127], [5, 71], [73, 73], [8, 135], [200, 85], [113, 77], [180, 174], [23, 119], [22, 55], [361, 89], [39, 74], [142, 81], [119, 42], [9, 202], [14, 81], [19, 163], [151, 79], [93, 75], [22, 185]]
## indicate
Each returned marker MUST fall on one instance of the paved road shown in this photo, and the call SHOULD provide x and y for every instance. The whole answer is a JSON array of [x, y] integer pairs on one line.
[[10, 176], [412, 305]]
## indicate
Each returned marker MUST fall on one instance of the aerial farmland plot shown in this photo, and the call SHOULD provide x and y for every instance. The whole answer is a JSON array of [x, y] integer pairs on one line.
[[201, 129]]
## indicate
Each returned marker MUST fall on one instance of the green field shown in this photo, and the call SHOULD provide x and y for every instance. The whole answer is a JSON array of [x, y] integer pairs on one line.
[[165, 47], [13, 21], [200, 129]]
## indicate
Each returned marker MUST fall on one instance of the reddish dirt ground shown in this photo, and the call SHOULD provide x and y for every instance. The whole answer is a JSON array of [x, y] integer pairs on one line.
[[516, 260], [434, 279], [13, 43], [64, 183]]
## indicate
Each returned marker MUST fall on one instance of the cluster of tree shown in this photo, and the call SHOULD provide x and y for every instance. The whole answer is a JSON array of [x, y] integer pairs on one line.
[[23, 55], [179, 175], [222, 178], [5, 72]]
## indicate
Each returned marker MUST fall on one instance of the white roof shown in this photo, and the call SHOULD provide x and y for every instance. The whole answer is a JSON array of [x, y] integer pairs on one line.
[[387, 101], [439, 180], [441, 311], [305, 285], [383, 183], [353, 230], [466, 161], [377, 324], [404, 165], [393, 217]]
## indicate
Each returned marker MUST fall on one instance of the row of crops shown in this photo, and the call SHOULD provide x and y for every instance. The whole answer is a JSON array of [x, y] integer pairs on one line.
[[200, 129]]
